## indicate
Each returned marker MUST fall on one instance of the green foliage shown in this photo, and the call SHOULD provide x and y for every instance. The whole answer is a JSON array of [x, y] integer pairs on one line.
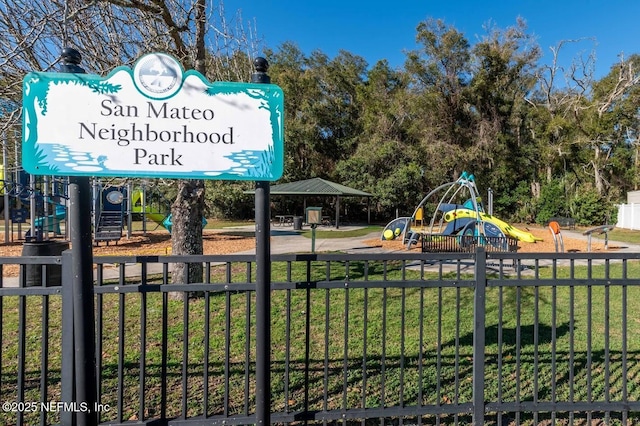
[[489, 108], [321, 113], [582, 203], [400, 189], [590, 208], [552, 201], [520, 201], [389, 172], [227, 200]]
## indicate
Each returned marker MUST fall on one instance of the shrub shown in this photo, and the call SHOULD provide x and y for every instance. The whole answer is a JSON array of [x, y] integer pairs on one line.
[[590, 208], [552, 202]]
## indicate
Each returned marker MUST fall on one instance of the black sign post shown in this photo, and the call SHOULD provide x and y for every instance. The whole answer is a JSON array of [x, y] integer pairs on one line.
[[263, 282], [82, 284]]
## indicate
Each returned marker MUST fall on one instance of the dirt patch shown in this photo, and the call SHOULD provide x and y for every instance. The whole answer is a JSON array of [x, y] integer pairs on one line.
[[159, 243], [155, 243], [571, 245]]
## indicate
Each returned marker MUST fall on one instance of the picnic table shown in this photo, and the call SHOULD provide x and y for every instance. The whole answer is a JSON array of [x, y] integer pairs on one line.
[[283, 220], [565, 222]]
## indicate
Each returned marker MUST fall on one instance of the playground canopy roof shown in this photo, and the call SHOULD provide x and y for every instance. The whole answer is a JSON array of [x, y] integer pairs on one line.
[[318, 187]]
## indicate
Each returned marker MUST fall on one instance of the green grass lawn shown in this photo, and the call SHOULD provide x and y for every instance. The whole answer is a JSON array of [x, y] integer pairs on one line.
[[622, 235], [368, 347], [137, 225], [351, 233], [321, 231]]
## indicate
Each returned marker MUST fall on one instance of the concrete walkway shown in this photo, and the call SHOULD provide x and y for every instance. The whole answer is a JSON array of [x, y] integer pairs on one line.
[[285, 240], [620, 247]]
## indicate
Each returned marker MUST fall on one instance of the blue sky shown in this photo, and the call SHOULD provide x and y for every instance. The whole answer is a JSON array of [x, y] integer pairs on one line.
[[385, 29]]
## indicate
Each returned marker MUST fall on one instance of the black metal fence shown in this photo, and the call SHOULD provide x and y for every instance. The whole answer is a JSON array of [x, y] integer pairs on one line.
[[406, 338], [442, 243]]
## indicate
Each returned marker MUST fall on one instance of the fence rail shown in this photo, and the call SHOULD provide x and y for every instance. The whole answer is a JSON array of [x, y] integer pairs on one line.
[[442, 243], [472, 338]]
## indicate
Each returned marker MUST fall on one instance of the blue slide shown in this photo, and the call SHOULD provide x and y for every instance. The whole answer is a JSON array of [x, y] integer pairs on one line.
[[53, 221]]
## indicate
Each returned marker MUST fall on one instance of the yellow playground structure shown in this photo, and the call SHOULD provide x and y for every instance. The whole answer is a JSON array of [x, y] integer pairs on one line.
[[459, 222], [140, 204]]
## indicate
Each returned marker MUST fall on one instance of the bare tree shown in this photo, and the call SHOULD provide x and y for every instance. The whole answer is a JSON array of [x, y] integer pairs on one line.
[[560, 90], [110, 33], [577, 106]]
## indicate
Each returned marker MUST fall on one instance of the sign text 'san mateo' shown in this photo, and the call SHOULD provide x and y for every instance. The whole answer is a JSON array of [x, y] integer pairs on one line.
[[150, 132]]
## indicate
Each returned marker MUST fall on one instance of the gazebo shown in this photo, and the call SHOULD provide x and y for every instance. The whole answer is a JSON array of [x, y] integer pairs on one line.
[[318, 187]]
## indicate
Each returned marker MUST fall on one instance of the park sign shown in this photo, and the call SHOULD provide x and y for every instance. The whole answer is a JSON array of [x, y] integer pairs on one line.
[[152, 121]]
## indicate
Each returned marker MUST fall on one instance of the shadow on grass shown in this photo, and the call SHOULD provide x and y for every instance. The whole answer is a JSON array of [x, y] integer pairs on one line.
[[430, 380], [525, 335]]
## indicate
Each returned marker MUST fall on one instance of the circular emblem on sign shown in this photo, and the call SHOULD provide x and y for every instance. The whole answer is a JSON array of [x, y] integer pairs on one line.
[[158, 75]]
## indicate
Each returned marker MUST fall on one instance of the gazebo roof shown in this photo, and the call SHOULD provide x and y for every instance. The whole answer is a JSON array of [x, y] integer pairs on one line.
[[316, 186]]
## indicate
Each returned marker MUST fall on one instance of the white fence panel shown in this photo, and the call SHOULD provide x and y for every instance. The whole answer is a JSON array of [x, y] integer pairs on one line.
[[628, 216]]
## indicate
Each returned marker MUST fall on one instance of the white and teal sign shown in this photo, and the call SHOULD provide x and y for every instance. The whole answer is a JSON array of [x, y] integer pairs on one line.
[[152, 121]]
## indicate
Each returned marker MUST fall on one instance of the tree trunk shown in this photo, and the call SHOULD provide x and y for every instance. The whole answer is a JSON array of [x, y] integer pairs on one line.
[[188, 209], [186, 232], [597, 175]]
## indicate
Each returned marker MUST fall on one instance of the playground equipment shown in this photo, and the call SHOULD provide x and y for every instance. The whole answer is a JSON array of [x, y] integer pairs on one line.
[[109, 209], [40, 202], [34, 208], [37, 206], [168, 223], [52, 222], [152, 211], [459, 222], [554, 227], [154, 208], [603, 229]]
